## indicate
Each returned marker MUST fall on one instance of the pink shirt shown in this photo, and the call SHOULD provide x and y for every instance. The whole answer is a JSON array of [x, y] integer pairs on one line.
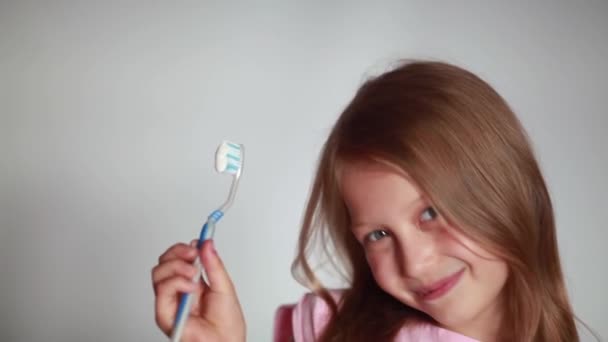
[[311, 315]]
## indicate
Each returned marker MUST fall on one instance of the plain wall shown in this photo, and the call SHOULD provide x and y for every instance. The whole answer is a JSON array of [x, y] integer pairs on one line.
[[111, 112]]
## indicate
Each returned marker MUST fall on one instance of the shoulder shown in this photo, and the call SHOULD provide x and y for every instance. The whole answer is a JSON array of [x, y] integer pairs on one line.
[[310, 316]]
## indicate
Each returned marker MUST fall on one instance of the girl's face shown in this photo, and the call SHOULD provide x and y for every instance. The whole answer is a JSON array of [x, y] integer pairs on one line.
[[416, 256]]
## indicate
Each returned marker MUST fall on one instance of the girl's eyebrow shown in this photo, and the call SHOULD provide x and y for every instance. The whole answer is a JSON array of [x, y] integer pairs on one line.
[[359, 226]]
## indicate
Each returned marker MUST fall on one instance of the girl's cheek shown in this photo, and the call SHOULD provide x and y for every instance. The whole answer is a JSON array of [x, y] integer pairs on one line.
[[456, 243], [380, 264], [372, 259]]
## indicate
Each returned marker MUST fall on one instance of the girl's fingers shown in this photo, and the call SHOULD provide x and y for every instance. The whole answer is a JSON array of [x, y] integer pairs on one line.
[[171, 268], [167, 299], [219, 279], [178, 251]]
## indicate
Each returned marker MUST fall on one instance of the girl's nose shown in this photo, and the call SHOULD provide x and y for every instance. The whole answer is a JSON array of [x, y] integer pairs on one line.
[[416, 252]]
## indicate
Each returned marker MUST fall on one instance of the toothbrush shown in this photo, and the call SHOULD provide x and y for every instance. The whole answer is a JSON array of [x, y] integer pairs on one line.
[[229, 159]]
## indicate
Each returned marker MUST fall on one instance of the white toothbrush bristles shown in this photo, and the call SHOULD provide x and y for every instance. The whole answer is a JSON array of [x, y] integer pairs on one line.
[[228, 158]]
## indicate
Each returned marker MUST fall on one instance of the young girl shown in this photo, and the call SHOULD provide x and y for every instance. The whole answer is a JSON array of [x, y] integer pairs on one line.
[[429, 195]]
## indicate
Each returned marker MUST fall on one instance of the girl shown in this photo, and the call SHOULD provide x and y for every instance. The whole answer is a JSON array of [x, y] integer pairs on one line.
[[429, 196]]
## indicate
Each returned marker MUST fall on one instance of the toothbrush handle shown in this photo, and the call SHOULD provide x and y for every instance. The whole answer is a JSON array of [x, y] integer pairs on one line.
[[185, 302]]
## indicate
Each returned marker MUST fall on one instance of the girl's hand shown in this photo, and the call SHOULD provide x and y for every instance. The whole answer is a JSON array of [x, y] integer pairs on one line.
[[215, 314]]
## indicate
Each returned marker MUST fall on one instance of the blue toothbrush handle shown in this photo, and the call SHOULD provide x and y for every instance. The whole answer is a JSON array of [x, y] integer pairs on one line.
[[183, 310]]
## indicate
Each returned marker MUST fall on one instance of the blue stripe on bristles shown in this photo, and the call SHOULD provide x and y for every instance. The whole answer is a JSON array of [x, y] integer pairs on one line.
[[233, 157]]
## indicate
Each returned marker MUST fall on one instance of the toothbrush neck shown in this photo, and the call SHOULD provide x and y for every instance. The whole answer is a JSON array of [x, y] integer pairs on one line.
[[233, 187]]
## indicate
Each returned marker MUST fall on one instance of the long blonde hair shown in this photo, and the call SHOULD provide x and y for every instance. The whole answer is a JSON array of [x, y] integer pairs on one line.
[[464, 147]]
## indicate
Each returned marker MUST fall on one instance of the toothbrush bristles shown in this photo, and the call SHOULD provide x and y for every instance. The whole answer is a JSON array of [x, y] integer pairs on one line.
[[228, 158]]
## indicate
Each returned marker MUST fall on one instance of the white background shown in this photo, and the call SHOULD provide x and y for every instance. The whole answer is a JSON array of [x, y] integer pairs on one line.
[[111, 113]]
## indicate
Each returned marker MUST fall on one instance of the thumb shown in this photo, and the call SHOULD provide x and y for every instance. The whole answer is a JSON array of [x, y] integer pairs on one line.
[[219, 280]]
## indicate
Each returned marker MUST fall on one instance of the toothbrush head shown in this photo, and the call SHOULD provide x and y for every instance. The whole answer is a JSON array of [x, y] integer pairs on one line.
[[229, 158]]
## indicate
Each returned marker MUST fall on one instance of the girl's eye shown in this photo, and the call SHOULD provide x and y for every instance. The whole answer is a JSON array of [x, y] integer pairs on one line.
[[376, 235], [428, 214]]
